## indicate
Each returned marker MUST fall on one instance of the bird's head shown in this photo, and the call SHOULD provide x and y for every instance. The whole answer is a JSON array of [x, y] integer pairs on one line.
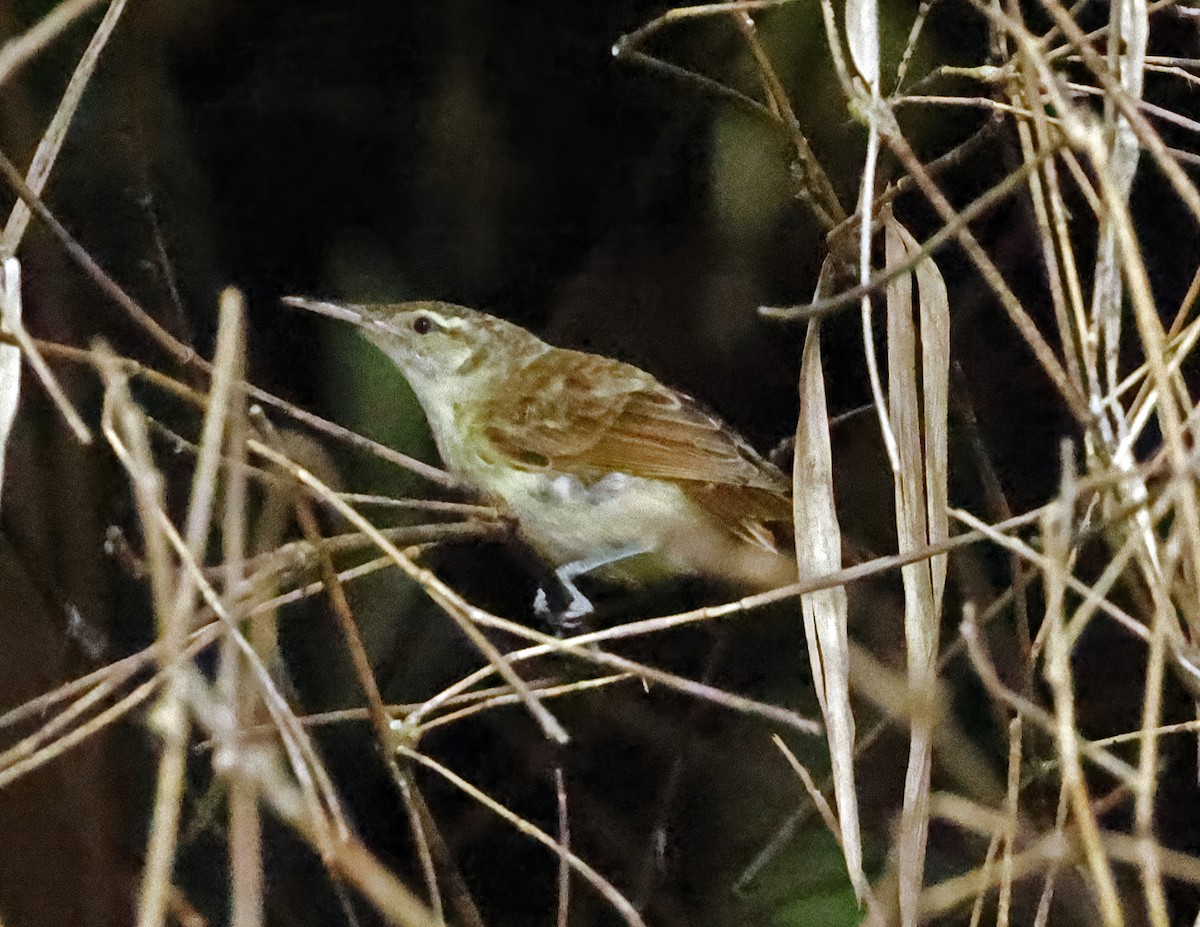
[[441, 348]]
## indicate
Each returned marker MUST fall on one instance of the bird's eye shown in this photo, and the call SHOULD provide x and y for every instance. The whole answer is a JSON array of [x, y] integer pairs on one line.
[[422, 325]]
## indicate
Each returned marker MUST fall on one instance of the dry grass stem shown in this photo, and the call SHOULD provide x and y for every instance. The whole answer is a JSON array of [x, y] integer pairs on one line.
[[1056, 798], [620, 905], [18, 51]]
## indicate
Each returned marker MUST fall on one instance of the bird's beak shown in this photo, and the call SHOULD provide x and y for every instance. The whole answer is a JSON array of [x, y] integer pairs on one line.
[[333, 310]]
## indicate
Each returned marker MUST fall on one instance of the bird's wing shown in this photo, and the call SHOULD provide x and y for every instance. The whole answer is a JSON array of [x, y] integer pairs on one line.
[[588, 415]]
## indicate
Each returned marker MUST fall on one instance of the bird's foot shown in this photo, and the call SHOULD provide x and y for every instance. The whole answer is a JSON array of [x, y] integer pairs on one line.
[[565, 617], [564, 607]]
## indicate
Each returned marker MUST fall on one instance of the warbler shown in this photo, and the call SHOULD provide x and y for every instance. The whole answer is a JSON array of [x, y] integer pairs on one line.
[[604, 469]]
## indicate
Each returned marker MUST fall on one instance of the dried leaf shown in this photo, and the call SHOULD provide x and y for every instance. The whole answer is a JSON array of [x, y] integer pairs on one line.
[[10, 355], [933, 309], [818, 552], [920, 483], [862, 34]]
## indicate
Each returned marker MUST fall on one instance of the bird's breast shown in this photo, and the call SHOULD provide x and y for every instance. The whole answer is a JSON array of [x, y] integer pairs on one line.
[[567, 519]]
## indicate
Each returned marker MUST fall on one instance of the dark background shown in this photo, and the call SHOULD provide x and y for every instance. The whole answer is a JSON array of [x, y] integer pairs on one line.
[[493, 154]]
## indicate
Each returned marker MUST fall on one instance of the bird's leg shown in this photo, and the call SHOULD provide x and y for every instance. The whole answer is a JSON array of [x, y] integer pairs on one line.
[[577, 606]]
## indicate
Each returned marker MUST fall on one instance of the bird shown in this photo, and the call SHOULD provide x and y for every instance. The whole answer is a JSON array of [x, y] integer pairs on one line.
[[605, 470]]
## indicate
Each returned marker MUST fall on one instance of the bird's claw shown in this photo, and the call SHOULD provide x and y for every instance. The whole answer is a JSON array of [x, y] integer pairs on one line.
[[568, 618]]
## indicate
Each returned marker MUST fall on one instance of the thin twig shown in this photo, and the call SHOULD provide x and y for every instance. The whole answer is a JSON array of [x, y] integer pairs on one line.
[[17, 52]]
